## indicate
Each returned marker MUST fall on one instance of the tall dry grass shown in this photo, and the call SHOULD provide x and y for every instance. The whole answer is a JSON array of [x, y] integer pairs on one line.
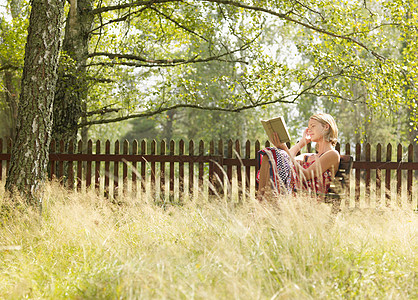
[[84, 247]]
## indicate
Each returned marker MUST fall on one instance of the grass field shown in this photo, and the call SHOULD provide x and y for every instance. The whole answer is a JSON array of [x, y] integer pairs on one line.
[[83, 247]]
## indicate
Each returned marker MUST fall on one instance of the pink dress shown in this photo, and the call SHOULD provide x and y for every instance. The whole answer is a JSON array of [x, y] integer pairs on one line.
[[317, 185], [285, 178]]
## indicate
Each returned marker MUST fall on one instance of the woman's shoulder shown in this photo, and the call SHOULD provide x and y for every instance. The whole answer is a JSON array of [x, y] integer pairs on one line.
[[331, 155]]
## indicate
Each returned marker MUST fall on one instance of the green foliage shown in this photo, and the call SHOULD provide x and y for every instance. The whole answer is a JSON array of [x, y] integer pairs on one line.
[[309, 55]]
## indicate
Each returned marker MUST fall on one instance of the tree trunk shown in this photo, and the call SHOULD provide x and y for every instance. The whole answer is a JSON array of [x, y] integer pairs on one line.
[[30, 151], [72, 85]]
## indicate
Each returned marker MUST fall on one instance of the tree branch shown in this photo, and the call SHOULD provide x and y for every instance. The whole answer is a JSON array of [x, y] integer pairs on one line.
[[121, 19], [178, 24], [288, 18], [10, 68], [161, 62], [133, 4]]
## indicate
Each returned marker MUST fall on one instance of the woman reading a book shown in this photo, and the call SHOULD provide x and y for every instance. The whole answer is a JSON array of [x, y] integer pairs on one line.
[[282, 171]]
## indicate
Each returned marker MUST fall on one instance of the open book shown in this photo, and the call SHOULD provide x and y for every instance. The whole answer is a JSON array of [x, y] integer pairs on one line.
[[276, 125]]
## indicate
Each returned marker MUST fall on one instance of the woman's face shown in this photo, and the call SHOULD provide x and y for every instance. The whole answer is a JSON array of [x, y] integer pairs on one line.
[[316, 130]]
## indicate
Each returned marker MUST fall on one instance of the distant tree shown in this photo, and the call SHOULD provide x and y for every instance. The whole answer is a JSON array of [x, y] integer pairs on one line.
[[12, 39]]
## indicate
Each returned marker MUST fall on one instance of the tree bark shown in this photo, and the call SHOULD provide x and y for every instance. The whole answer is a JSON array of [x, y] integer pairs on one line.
[[30, 151], [72, 85]]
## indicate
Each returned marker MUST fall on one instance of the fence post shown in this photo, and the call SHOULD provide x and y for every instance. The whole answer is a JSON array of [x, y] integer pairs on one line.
[[88, 171], [125, 167], [358, 172], [229, 169], [191, 169], [387, 174], [181, 170], [143, 167], [399, 177], [172, 150], [153, 169], [70, 165], [219, 171], [79, 166], [239, 169], [97, 169], [107, 171], [162, 170], [212, 179], [116, 172], [378, 175], [201, 153], [367, 179], [409, 175], [134, 168]]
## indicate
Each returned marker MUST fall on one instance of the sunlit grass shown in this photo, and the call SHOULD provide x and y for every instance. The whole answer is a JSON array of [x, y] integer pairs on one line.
[[84, 247]]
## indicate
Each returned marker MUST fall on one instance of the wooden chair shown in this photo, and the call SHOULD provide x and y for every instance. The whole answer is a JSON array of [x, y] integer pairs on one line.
[[340, 183]]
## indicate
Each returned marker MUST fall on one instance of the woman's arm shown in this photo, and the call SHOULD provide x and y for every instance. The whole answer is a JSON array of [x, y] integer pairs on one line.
[[329, 161]]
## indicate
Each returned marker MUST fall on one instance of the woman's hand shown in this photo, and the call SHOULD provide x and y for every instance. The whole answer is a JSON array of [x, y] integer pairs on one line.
[[277, 143], [306, 138]]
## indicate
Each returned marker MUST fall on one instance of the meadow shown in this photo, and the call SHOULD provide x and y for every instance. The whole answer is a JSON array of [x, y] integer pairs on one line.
[[83, 246]]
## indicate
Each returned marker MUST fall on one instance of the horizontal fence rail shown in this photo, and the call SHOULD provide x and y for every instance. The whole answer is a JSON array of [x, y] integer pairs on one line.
[[226, 169]]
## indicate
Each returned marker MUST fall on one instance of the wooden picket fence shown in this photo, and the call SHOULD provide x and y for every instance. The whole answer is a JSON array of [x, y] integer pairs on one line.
[[223, 169]]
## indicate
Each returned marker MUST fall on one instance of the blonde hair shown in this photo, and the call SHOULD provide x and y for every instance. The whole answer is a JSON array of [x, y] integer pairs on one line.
[[331, 135]]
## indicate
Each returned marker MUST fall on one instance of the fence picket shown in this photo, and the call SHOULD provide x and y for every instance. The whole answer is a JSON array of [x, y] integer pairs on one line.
[[153, 168], [181, 170], [239, 168], [201, 152], [387, 174], [191, 169], [116, 172], [134, 189], [357, 174], [70, 182], [125, 168], [378, 175], [212, 180], [409, 174], [171, 175], [229, 168], [143, 167], [368, 171], [247, 168], [219, 171], [399, 177], [162, 169], [97, 168], [79, 166], [107, 171], [88, 170]]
